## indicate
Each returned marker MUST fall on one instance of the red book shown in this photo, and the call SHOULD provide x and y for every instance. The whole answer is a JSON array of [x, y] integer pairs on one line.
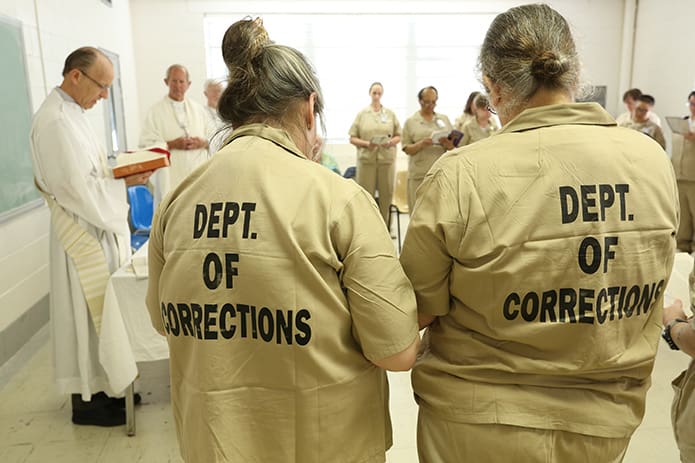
[[135, 162]]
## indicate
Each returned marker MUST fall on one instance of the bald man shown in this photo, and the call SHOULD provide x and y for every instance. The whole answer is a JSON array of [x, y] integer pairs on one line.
[[70, 169], [180, 123]]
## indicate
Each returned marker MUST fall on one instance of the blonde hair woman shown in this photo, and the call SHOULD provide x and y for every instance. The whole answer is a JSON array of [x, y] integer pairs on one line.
[[276, 283]]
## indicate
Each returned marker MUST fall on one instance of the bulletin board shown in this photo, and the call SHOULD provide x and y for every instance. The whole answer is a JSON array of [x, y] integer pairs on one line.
[[17, 190]]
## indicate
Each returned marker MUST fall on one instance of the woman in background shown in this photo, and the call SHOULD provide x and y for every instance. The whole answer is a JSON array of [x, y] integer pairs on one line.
[[468, 112], [376, 132], [276, 284], [417, 140], [482, 125]]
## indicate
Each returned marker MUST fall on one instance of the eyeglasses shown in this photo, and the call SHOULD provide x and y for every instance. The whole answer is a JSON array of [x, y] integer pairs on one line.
[[103, 87]]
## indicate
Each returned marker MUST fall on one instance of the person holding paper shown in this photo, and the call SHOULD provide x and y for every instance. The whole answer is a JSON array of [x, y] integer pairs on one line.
[[180, 123], [539, 259], [87, 206], [376, 132], [679, 334], [482, 125], [417, 140], [683, 159], [642, 123], [276, 283]]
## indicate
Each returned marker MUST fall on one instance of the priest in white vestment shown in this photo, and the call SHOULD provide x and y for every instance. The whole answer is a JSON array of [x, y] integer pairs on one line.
[[70, 166], [183, 125]]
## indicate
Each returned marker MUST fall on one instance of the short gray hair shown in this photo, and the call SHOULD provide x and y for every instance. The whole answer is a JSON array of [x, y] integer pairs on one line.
[[527, 48], [178, 66], [82, 58], [265, 80]]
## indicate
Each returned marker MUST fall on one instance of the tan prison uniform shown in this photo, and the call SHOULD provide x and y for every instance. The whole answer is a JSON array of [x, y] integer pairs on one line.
[[376, 168], [275, 281], [683, 412], [415, 129], [648, 128], [544, 251], [472, 132], [683, 159]]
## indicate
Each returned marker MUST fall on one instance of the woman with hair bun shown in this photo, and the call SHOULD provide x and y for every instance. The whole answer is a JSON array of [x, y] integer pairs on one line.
[[482, 125], [539, 259], [276, 283]]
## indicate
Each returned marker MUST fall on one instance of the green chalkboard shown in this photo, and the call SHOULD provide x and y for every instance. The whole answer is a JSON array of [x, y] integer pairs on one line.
[[17, 190]]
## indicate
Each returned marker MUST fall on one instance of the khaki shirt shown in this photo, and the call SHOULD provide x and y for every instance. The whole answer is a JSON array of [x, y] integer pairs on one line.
[[544, 251], [683, 158], [648, 128], [417, 128], [472, 132], [276, 283], [370, 124]]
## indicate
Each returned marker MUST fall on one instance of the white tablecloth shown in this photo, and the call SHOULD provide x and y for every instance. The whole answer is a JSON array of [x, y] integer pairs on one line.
[[127, 335]]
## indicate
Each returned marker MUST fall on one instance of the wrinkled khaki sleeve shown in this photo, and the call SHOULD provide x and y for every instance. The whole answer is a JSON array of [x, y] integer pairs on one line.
[[155, 262], [380, 297], [435, 231]]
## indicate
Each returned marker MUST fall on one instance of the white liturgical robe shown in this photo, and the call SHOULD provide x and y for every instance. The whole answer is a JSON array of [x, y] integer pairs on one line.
[[70, 164], [164, 123]]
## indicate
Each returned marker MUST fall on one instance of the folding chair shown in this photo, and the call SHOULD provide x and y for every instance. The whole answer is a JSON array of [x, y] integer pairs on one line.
[[400, 201], [141, 211]]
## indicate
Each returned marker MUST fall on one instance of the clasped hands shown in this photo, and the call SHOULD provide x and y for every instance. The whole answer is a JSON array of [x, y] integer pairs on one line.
[[187, 143]]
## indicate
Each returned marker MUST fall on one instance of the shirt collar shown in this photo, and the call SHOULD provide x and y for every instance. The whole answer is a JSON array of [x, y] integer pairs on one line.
[[277, 136], [559, 114]]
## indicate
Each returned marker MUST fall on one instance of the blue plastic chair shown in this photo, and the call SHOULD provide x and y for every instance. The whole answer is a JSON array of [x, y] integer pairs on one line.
[[141, 211]]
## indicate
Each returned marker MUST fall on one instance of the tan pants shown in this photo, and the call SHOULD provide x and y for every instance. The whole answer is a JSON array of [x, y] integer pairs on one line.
[[683, 413], [685, 238], [413, 184], [381, 178], [440, 441]]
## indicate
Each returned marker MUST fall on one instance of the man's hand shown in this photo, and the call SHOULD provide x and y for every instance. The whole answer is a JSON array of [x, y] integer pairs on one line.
[[138, 179]]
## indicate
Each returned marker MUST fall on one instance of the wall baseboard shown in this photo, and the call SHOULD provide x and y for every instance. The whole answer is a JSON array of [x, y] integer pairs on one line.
[[19, 332]]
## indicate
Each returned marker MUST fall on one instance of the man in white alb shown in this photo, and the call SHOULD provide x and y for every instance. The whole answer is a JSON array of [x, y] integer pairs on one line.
[[89, 210], [180, 123]]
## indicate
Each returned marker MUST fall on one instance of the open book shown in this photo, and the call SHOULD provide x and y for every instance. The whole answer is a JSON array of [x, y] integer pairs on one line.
[[678, 125], [135, 162], [454, 135]]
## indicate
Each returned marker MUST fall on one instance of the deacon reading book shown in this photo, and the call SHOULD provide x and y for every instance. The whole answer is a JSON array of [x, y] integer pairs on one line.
[[144, 160], [454, 135]]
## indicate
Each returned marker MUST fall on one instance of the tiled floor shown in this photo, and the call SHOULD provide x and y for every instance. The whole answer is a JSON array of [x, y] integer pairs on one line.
[[35, 421]]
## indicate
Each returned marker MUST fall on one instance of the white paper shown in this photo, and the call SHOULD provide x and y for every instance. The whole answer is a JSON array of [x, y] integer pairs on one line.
[[380, 139], [679, 285], [437, 134], [678, 125]]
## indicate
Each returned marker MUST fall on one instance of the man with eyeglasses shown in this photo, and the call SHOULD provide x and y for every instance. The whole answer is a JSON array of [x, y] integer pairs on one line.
[[88, 207], [183, 125], [683, 159]]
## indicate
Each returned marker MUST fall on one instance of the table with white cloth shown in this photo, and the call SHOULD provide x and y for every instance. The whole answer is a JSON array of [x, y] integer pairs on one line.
[[127, 335]]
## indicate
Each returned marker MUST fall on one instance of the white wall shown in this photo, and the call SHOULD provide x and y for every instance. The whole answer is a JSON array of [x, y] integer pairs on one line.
[[664, 65], [52, 29], [597, 25]]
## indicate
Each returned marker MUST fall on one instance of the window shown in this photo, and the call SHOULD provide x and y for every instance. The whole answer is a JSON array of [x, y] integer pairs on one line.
[[350, 51]]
